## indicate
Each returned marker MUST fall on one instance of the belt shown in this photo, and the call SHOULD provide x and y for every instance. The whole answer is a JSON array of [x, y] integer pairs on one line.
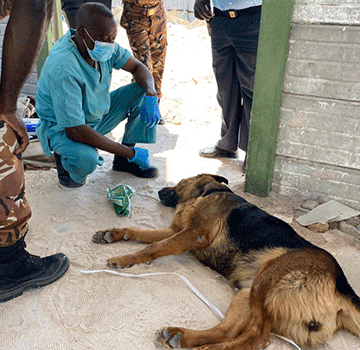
[[237, 13], [138, 11]]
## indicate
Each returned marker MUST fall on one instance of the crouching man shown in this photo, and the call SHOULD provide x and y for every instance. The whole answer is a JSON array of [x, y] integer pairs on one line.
[[76, 108]]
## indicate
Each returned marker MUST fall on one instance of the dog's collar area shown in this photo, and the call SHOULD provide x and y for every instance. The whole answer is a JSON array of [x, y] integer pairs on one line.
[[212, 190]]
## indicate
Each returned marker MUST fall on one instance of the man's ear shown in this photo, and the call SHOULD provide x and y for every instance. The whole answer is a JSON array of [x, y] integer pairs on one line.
[[81, 31]]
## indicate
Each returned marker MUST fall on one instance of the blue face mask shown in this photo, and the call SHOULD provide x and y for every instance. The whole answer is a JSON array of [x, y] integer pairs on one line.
[[102, 51]]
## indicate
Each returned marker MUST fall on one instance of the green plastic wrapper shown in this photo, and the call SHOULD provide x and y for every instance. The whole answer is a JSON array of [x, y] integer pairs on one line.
[[120, 196]]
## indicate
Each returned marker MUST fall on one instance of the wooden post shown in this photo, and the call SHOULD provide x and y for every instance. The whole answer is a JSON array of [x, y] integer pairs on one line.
[[55, 32], [269, 78]]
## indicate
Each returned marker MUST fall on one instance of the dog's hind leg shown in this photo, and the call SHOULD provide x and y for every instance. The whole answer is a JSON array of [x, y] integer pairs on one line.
[[178, 243], [234, 323], [256, 334], [132, 234]]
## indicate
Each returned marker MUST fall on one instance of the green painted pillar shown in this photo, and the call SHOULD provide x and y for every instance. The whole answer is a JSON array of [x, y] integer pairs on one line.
[[269, 79], [45, 50], [54, 33]]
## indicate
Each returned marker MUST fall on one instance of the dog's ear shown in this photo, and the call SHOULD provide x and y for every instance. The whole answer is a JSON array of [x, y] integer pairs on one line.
[[220, 179]]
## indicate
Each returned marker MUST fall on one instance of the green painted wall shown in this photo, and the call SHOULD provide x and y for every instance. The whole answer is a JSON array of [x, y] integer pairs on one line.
[[270, 71], [54, 33]]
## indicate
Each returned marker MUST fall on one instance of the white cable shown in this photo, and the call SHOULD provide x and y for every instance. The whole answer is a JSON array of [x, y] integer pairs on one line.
[[197, 293], [288, 340]]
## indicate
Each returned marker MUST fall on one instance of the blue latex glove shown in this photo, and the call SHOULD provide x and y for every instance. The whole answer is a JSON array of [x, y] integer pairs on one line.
[[141, 158], [149, 111]]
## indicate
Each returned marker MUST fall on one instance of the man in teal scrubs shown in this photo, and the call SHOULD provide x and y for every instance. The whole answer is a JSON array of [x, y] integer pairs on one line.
[[76, 108]]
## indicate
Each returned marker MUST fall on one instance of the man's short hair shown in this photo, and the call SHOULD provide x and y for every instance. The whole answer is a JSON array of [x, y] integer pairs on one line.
[[89, 12]]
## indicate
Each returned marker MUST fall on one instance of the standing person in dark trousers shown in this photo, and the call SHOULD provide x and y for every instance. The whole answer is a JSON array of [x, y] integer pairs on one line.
[[24, 36], [234, 30], [70, 7], [145, 25]]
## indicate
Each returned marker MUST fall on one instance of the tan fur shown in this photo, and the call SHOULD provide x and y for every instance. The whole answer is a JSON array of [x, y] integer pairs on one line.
[[348, 317], [303, 292], [248, 266], [290, 292]]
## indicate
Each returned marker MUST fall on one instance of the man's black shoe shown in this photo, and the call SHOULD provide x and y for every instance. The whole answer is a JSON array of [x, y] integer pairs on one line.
[[122, 164], [20, 270], [216, 152], [63, 175]]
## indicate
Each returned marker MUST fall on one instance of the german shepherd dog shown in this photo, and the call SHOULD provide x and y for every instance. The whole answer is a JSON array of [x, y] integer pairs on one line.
[[286, 285]]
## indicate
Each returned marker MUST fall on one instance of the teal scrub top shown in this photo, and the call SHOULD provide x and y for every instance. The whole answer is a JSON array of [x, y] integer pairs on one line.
[[70, 92]]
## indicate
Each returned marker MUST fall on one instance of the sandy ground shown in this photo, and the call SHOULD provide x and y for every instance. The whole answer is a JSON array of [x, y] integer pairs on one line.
[[105, 311]]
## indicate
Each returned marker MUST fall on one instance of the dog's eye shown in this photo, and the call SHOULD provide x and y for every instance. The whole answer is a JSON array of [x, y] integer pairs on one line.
[[313, 326]]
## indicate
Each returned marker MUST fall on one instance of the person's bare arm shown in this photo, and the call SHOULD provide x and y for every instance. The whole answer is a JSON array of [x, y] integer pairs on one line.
[[141, 74], [24, 37], [85, 134]]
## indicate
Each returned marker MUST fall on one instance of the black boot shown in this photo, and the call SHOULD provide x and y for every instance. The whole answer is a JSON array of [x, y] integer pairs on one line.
[[122, 164], [63, 175], [20, 270]]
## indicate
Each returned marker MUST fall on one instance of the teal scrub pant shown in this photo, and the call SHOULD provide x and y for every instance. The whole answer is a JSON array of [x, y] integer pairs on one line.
[[80, 159]]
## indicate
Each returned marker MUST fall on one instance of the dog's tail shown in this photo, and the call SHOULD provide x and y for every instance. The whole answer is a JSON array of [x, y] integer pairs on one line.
[[348, 317]]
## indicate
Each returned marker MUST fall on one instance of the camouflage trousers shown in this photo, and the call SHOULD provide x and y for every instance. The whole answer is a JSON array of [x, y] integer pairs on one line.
[[14, 209], [146, 31]]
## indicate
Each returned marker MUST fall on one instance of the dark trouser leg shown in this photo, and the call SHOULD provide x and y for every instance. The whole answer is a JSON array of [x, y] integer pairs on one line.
[[234, 49], [246, 54], [228, 94], [70, 8]]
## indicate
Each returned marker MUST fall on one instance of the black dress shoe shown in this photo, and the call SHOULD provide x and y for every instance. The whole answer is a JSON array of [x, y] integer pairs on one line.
[[216, 152], [122, 164], [64, 176]]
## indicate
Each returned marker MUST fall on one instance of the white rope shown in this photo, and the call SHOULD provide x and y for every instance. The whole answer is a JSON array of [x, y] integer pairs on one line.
[[288, 340], [196, 292]]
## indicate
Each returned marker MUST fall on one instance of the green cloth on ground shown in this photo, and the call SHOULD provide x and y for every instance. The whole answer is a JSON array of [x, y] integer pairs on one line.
[[120, 196]]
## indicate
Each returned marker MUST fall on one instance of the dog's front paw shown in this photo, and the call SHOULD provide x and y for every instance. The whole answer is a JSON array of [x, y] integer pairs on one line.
[[103, 237], [169, 338], [112, 235], [119, 262]]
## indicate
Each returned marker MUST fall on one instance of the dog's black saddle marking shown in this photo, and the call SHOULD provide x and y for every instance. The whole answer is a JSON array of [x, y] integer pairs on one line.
[[251, 228]]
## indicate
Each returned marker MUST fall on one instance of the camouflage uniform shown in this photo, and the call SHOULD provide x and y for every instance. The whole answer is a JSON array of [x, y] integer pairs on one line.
[[14, 209], [145, 25]]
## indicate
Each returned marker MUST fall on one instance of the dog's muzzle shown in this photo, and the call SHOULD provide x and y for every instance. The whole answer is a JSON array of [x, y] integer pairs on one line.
[[168, 197]]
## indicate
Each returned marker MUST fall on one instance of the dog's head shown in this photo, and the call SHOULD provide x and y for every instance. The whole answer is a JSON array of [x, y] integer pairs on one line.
[[191, 188]]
